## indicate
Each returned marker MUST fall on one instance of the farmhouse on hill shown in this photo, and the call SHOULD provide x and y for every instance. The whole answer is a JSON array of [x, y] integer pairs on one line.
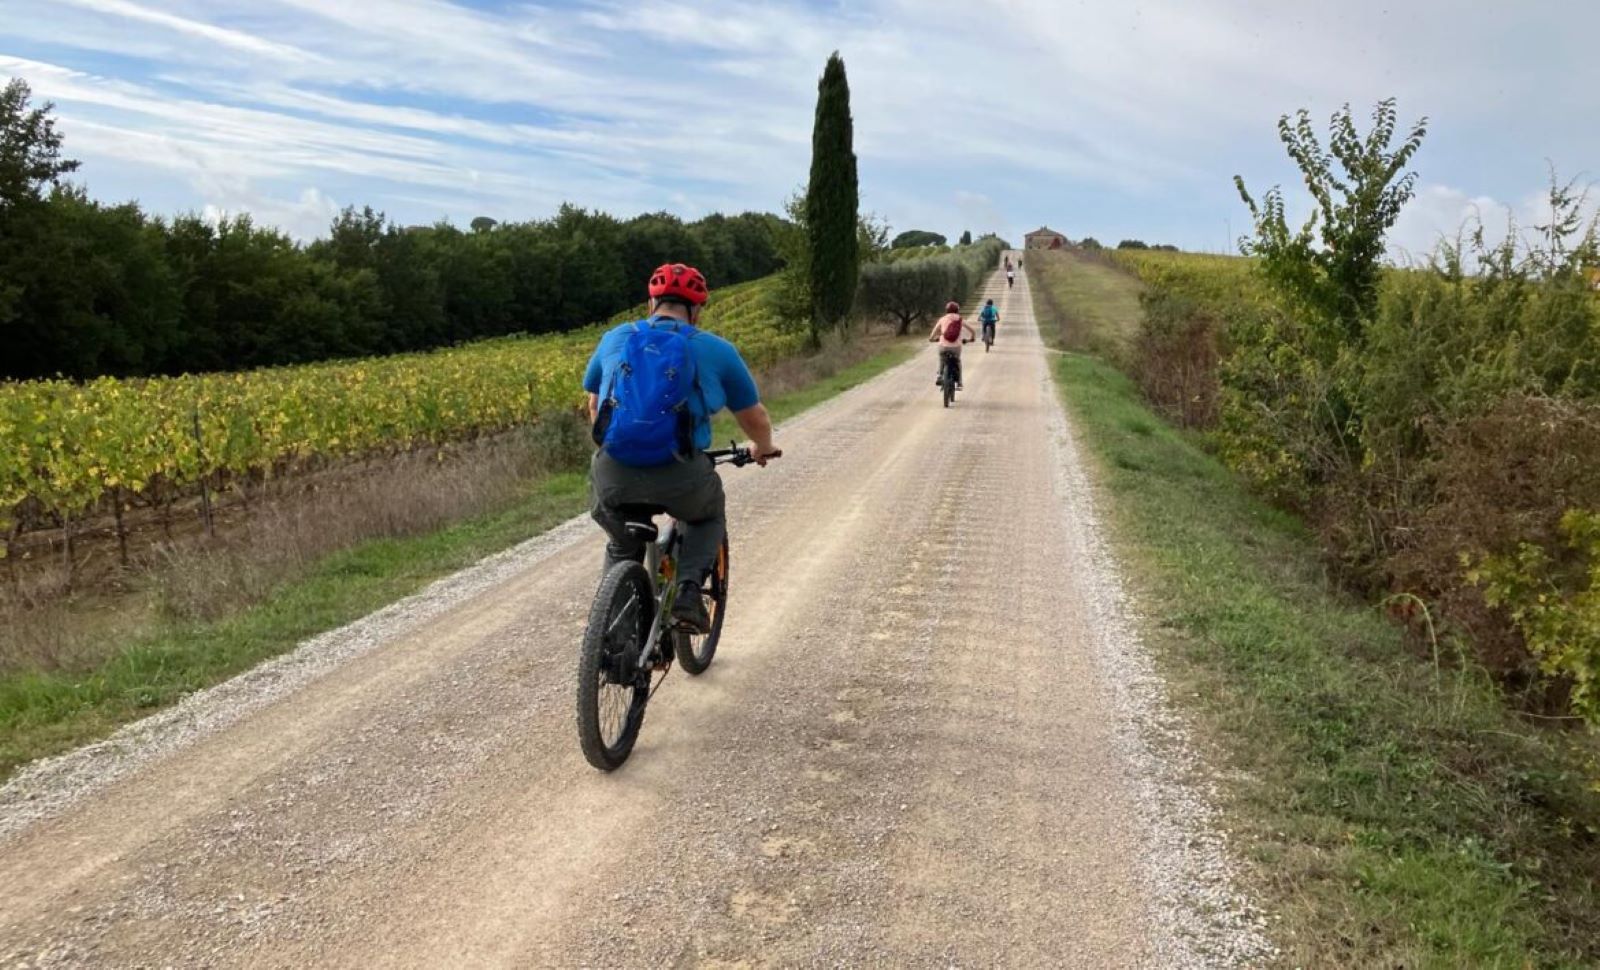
[[1044, 238]]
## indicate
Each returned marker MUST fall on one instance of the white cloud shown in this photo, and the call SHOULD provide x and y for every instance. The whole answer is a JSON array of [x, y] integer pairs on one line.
[[304, 217], [234, 39], [1440, 213], [1099, 116]]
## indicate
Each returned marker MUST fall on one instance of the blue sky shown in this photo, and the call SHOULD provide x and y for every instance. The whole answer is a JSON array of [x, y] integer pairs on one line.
[[1107, 119]]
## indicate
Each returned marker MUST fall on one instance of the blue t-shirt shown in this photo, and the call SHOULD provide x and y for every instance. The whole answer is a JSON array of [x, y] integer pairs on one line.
[[720, 372]]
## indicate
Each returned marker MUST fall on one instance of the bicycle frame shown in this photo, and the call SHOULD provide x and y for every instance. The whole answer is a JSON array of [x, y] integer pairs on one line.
[[666, 545], [663, 546]]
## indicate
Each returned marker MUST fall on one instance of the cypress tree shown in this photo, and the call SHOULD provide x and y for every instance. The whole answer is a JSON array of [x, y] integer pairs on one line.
[[832, 200], [966, 237]]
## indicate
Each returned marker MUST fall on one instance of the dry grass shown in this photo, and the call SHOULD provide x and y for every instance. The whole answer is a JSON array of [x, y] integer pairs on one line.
[[837, 353], [277, 539]]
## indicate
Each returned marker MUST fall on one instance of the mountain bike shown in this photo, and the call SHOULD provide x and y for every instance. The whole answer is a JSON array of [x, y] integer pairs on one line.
[[947, 379], [631, 637]]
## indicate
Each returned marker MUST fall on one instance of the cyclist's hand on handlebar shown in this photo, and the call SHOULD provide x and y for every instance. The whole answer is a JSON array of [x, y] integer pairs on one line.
[[761, 456]]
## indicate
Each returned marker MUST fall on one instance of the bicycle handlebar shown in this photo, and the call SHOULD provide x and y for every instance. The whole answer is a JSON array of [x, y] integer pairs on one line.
[[737, 457]]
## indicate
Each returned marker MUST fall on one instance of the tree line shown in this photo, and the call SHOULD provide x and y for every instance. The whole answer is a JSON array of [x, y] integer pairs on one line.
[[89, 289]]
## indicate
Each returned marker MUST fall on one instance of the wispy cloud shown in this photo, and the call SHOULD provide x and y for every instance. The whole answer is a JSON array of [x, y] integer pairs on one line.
[[1101, 118], [234, 39]]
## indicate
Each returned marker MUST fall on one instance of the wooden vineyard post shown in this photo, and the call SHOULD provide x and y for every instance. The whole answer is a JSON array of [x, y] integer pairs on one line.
[[163, 499], [69, 555], [11, 555], [205, 476], [122, 528]]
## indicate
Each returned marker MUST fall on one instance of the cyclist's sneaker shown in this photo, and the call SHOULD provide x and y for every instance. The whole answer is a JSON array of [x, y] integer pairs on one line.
[[689, 610]]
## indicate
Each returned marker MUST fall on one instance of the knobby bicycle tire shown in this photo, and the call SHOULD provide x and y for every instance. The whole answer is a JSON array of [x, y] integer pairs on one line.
[[695, 658], [619, 622]]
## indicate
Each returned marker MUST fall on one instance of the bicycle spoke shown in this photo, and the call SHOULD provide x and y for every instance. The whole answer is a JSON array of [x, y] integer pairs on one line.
[[626, 612]]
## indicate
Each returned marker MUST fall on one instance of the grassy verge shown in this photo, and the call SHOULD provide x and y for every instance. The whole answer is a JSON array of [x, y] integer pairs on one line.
[[46, 712], [1096, 308], [1393, 812]]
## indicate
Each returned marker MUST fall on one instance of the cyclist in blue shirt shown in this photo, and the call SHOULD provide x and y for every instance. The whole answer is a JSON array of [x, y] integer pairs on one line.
[[687, 487], [989, 316]]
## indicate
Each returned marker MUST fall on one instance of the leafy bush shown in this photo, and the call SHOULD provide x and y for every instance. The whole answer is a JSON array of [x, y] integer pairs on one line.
[[1175, 358], [1330, 266], [1442, 446], [913, 289], [1488, 486], [1555, 604]]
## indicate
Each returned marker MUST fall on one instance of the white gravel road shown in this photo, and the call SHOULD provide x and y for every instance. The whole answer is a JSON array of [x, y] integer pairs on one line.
[[930, 738]]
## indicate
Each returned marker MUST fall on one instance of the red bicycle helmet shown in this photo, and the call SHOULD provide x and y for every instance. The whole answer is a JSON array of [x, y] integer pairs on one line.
[[679, 281], [952, 307]]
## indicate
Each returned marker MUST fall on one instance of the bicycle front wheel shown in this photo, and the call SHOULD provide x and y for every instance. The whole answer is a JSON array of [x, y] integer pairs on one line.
[[695, 652], [612, 689]]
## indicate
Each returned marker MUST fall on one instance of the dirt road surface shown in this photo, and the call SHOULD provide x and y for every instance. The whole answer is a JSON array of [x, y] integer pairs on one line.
[[924, 742]]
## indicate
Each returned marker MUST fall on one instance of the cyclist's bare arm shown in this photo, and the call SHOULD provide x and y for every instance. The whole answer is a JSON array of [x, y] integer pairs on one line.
[[594, 407], [757, 423]]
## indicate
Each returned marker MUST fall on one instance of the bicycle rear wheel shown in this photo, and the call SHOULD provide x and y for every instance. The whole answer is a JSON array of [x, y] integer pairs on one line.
[[695, 652], [612, 690], [949, 384]]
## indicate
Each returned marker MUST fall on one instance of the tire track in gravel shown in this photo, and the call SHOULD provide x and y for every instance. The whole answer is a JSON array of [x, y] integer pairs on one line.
[[907, 752]]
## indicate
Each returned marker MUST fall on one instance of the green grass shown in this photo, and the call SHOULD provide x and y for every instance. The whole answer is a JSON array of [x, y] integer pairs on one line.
[[1392, 814], [47, 712], [1097, 304]]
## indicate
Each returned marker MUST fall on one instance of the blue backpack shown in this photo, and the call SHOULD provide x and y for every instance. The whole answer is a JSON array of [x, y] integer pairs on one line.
[[644, 418], [989, 314]]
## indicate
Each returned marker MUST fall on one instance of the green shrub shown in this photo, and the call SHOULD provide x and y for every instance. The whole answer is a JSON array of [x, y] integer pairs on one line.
[[1456, 424], [1555, 604], [1175, 358]]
